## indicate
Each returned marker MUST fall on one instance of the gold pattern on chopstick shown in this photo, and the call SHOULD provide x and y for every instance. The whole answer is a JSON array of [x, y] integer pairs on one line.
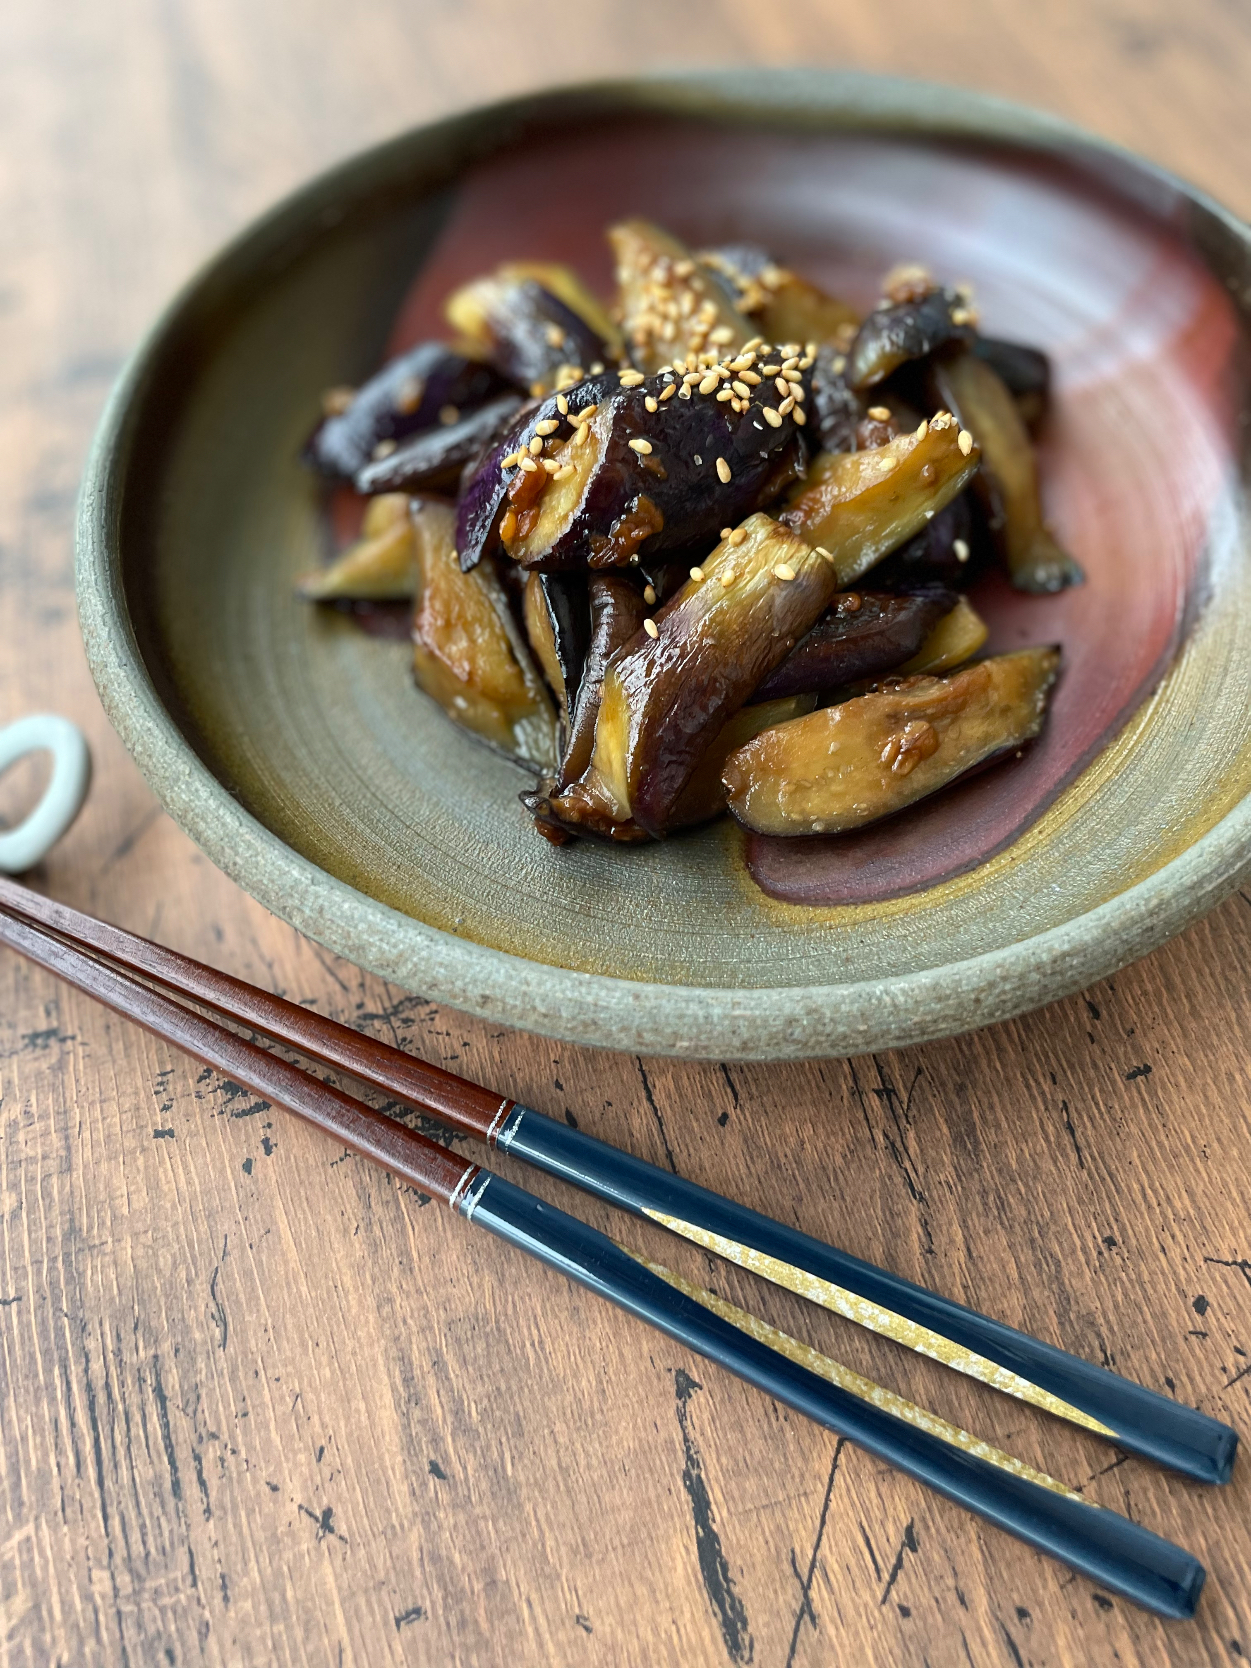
[[832, 1371], [883, 1321]]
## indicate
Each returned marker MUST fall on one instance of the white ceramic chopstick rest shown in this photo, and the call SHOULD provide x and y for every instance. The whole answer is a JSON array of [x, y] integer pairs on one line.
[[22, 847]]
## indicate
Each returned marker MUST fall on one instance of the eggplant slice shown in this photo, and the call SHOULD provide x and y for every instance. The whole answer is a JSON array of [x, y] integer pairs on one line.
[[845, 766], [1007, 483], [859, 506], [667, 695], [617, 610], [672, 308], [467, 652], [1025, 371], [557, 617], [956, 637], [783, 306], [537, 324], [949, 552], [432, 460], [483, 496], [662, 463], [863, 635], [429, 385], [910, 329], [380, 567]]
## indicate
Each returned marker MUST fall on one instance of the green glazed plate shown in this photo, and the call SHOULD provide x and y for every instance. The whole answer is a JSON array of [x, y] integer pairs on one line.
[[296, 751]]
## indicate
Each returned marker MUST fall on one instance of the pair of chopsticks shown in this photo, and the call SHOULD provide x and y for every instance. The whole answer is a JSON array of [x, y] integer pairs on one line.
[[143, 981]]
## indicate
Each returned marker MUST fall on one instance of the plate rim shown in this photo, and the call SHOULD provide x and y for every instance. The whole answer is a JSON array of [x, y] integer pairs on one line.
[[806, 1021]]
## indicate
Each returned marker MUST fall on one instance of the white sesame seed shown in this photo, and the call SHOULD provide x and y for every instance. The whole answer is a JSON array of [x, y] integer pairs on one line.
[[787, 405], [822, 551], [738, 536], [964, 440], [887, 464], [783, 387], [552, 466], [631, 379], [650, 403], [697, 575], [510, 460], [709, 383], [562, 405], [596, 369], [923, 430], [727, 578], [669, 392], [961, 549], [722, 335], [790, 363], [723, 469], [529, 466], [581, 434], [549, 425], [771, 417], [880, 413], [770, 370], [649, 594], [741, 389], [563, 472], [684, 392], [536, 445], [724, 394], [783, 570], [650, 627], [800, 416], [642, 446]]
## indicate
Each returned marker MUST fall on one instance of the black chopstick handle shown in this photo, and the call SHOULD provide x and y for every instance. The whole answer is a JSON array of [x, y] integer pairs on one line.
[[1112, 1551], [1141, 1421]]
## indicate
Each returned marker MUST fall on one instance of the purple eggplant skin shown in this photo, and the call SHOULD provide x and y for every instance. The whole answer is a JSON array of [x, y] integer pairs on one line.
[[406, 396], [667, 696], [785, 307], [1025, 370], [843, 420], [617, 611], [864, 635], [482, 496], [532, 334], [893, 335], [648, 482], [432, 459], [671, 307], [557, 618], [838, 409], [951, 552], [1007, 482]]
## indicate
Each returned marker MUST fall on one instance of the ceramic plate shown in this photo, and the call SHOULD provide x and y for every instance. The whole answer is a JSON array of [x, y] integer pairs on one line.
[[296, 751]]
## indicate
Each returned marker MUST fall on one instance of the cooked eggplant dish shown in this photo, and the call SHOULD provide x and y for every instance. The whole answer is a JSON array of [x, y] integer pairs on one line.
[[705, 547]]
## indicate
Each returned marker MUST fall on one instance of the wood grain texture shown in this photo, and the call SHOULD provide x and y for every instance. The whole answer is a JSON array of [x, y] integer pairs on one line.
[[257, 1404]]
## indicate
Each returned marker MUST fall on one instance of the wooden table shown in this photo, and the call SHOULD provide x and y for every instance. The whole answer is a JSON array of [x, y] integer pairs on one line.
[[257, 1406]]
